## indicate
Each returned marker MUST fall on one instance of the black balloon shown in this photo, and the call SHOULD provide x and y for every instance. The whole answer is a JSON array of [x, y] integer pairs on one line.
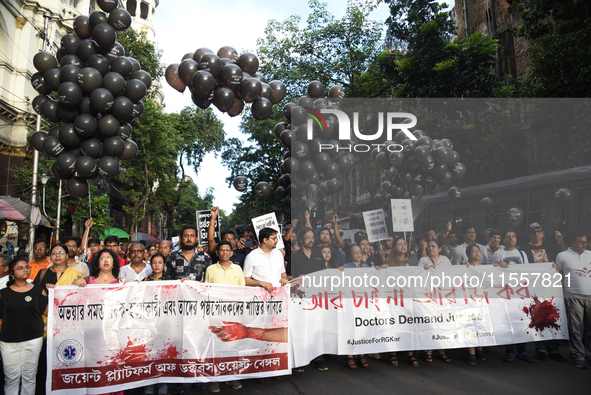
[[52, 78], [70, 94], [279, 90], [108, 126], [98, 62], [203, 84], [141, 75], [122, 107], [336, 93], [55, 131], [564, 195], [96, 18], [454, 193], [104, 35], [44, 61], [38, 138], [237, 108], [135, 90], [38, 101], [136, 65], [113, 52], [113, 146], [315, 89], [458, 170], [70, 43], [66, 162], [71, 59], [38, 82], [52, 146], [287, 111], [86, 166], [87, 48], [69, 73], [86, 108], [125, 131], [107, 5], [68, 136], [211, 62], [115, 83], [101, 100], [286, 137], [57, 173], [248, 62], [82, 27], [515, 216], [173, 79], [123, 66], [261, 109], [49, 111], [85, 125], [223, 99], [129, 150], [230, 76], [487, 203], [263, 190], [138, 109], [89, 79], [120, 19], [92, 147], [77, 187], [250, 89], [292, 165], [240, 183]]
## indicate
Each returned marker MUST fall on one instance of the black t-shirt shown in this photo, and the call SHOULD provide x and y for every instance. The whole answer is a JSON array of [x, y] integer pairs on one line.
[[544, 253], [50, 277], [301, 264], [20, 313]]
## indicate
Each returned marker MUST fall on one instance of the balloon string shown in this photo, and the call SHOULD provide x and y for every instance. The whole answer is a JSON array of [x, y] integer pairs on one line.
[[89, 201]]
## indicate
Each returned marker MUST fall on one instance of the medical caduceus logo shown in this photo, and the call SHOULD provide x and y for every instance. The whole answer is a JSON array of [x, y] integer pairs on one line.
[[69, 352]]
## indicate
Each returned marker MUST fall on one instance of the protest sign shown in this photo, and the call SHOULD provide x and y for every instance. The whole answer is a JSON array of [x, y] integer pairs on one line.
[[203, 219], [375, 224], [268, 221], [402, 220]]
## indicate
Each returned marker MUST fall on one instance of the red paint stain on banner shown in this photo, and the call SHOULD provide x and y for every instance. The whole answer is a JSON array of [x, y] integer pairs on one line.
[[543, 315]]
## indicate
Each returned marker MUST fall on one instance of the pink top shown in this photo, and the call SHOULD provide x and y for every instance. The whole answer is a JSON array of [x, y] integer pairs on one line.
[[91, 281]]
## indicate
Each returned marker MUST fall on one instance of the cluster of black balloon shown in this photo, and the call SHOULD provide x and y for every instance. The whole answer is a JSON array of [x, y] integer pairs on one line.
[[226, 80], [310, 174], [99, 92]]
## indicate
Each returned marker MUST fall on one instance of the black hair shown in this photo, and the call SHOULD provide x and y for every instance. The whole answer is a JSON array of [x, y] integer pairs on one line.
[[434, 241], [324, 228], [224, 243], [265, 233], [11, 266], [161, 255], [112, 239], [142, 242], [505, 234], [188, 227], [466, 227], [40, 240], [495, 232], [251, 230], [471, 247], [225, 232], [573, 234], [70, 238], [94, 240], [58, 244], [302, 232], [94, 264]]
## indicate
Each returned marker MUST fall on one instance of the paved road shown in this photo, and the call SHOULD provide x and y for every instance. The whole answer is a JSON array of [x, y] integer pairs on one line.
[[492, 376]]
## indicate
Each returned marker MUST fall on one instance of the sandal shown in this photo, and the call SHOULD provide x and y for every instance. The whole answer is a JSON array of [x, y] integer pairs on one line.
[[362, 361], [413, 361], [351, 363], [445, 358], [393, 360], [428, 358]]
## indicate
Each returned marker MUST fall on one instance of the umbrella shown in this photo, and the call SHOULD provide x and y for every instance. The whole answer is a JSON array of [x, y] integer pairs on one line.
[[7, 211], [117, 232], [143, 236]]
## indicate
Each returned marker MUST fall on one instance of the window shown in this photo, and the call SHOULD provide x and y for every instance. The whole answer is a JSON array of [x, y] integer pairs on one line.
[[131, 6], [144, 8]]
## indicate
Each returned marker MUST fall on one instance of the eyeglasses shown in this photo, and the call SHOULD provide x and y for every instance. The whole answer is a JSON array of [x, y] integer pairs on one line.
[[225, 250], [230, 239], [136, 251], [164, 248], [40, 248], [581, 242], [273, 238], [58, 253], [22, 268], [470, 233], [355, 252], [105, 258]]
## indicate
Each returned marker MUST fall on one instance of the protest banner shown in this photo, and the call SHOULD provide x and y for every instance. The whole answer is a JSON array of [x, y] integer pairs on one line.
[[358, 311], [203, 219], [375, 224], [402, 220], [268, 221], [107, 338]]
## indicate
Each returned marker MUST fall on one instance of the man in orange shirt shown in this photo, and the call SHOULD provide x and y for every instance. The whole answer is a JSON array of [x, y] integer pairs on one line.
[[40, 249]]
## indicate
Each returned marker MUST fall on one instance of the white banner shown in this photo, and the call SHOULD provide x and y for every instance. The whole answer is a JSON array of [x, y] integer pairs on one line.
[[359, 311], [375, 224], [109, 338]]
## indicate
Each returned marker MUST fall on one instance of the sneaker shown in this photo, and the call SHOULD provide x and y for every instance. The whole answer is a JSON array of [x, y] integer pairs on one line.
[[542, 356], [525, 357], [320, 365], [558, 357], [580, 363], [234, 384], [375, 356], [299, 370], [178, 389], [509, 358], [198, 386], [214, 388]]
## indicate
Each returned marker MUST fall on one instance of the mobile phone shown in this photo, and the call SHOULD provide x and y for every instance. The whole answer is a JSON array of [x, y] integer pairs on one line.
[[249, 244]]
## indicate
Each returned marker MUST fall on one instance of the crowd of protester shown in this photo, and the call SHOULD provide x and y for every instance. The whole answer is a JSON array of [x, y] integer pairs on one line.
[[245, 260]]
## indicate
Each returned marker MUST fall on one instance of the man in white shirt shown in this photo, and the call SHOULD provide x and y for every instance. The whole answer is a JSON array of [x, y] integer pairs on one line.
[[264, 266], [575, 265], [4, 261], [509, 255], [459, 254], [137, 269], [494, 244]]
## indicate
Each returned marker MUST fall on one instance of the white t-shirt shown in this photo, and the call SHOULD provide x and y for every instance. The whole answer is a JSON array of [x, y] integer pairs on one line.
[[264, 267], [578, 267], [514, 257], [127, 273], [459, 256]]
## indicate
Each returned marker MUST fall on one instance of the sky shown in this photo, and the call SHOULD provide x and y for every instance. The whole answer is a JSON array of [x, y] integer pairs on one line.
[[182, 26]]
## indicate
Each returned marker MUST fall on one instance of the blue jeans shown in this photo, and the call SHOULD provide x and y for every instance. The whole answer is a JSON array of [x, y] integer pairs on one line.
[[510, 349], [162, 389]]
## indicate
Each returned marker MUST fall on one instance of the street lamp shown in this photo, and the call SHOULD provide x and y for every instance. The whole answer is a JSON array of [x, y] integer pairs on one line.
[[44, 179]]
